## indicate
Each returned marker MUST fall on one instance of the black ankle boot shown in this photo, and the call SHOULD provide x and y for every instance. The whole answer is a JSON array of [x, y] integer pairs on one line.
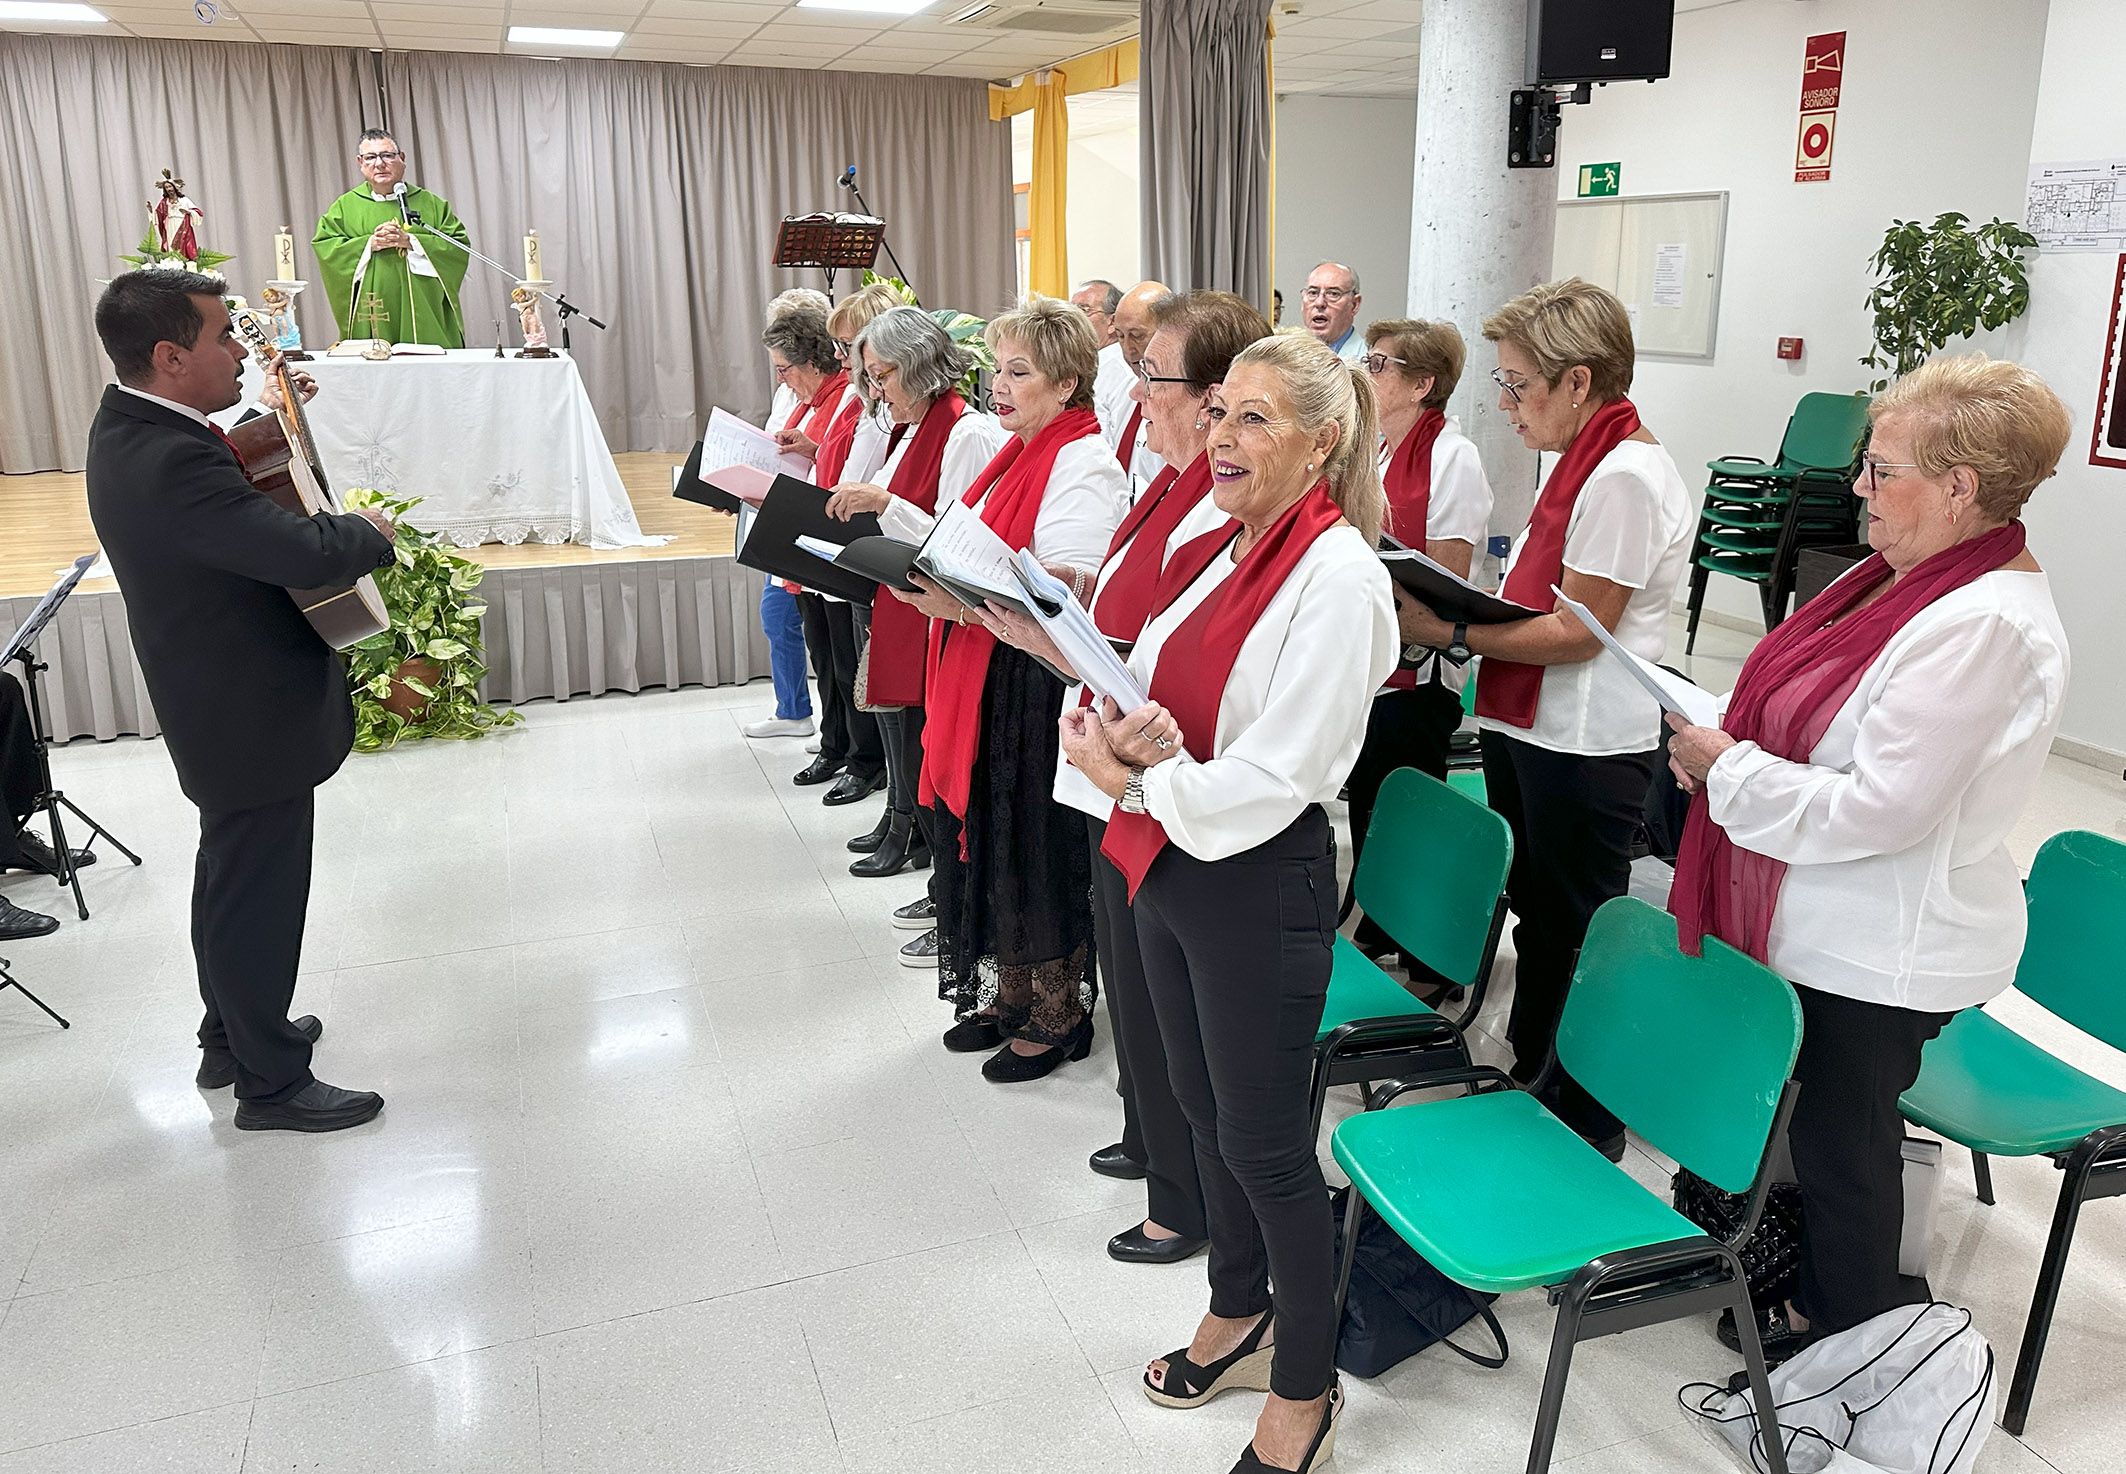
[[868, 843], [902, 849]]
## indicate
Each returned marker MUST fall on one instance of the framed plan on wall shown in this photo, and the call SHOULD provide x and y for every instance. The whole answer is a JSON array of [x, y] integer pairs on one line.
[[1661, 255]]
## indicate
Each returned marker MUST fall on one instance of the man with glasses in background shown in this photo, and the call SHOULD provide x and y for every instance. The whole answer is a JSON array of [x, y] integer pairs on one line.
[[1329, 308], [402, 243], [1122, 415]]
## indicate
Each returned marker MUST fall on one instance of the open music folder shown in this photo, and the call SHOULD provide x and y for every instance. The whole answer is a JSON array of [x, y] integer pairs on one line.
[[793, 509]]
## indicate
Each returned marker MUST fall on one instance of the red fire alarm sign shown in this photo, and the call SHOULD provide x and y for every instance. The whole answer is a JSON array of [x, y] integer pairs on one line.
[[1790, 348]]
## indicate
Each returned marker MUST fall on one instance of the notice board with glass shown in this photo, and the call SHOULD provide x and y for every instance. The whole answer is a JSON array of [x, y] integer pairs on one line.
[[1661, 255]]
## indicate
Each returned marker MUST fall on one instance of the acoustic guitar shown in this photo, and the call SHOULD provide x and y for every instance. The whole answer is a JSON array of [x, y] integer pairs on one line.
[[280, 459]]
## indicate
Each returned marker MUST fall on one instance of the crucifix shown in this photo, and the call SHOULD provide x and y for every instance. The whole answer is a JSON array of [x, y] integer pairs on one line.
[[373, 315]]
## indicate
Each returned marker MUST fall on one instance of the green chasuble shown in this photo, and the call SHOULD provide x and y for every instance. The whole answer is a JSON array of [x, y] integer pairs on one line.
[[421, 303]]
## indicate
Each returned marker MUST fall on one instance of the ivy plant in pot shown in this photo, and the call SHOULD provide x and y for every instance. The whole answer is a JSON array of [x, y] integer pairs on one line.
[[421, 678], [1935, 283]]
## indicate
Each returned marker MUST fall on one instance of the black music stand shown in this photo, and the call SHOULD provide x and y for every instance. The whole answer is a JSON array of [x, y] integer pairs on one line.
[[9, 980], [831, 242], [50, 801]]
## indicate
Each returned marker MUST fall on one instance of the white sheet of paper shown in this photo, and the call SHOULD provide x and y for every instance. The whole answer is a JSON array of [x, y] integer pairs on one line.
[[819, 547], [1080, 640], [1669, 262], [730, 441], [967, 550], [1692, 702]]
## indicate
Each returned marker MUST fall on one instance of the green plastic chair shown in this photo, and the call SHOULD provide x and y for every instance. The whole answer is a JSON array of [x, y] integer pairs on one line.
[[1759, 515], [1986, 1087], [1696, 1054], [1433, 877]]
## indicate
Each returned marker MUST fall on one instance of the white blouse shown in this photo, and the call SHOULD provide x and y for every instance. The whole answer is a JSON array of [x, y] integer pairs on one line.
[[1901, 889], [1294, 710], [1632, 525], [1458, 509], [867, 447], [782, 404], [1080, 508]]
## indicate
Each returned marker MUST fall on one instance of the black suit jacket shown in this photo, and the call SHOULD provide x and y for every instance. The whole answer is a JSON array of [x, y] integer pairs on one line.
[[253, 704]]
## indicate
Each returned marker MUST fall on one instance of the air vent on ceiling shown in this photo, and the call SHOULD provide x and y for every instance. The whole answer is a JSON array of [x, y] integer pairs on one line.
[[1075, 18]]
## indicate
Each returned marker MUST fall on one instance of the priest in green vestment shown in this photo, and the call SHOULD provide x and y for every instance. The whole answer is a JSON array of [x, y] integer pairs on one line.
[[368, 243]]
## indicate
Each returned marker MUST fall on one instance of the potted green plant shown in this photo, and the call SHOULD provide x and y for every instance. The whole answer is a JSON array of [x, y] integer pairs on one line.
[[421, 678], [964, 328], [1942, 281]]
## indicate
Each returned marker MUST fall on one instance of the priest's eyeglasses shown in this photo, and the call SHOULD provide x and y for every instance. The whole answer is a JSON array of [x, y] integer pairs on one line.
[[389, 157]]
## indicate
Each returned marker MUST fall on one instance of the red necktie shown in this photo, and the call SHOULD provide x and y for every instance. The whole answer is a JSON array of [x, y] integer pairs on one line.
[[223, 437]]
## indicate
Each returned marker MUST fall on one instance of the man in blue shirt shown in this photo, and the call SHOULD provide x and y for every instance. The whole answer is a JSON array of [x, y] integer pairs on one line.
[[1329, 308]]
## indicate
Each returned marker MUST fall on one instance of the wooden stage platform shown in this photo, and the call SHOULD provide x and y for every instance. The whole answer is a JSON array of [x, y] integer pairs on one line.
[[44, 525]]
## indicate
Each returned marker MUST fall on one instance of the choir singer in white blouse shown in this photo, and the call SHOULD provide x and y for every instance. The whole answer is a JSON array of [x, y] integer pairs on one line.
[[1857, 799], [1268, 639]]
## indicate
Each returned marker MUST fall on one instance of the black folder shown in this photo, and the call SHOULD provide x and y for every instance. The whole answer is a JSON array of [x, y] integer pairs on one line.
[[1450, 598], [794, 509], [889, 561]]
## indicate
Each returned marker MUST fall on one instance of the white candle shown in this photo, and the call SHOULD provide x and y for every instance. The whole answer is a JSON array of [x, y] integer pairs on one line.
[[531, 257], [284, 256]]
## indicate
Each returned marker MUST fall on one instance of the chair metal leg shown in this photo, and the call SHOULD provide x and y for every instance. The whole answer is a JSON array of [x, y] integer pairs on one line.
[[1354, 1220], [1982, 1172], [1699, 575], [2045, 1299], [1769, 1436], [1318, 1089], [1563, 1339]]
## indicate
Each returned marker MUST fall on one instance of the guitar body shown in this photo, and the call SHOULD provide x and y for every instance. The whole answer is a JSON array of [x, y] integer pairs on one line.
[[342, 616]]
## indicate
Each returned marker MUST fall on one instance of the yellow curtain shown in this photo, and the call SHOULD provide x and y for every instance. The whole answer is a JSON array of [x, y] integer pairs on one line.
[[1048, 254], [1096, 71]]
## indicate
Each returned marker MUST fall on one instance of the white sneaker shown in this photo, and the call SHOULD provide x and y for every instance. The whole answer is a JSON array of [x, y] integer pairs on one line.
[[777, 727], [922, 952]]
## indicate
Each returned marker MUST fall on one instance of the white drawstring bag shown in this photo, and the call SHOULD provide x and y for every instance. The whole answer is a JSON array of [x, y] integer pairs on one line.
[[1910, 1392]]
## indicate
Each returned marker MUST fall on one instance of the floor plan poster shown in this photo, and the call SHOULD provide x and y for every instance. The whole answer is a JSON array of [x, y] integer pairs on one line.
[[2078, 206], [2108, 445]]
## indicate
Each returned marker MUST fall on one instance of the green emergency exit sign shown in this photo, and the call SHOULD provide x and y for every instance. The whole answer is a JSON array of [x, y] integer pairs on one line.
[[1597, 180]]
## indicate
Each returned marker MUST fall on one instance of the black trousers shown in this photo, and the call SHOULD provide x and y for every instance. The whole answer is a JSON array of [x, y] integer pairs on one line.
[[250, 895], [1236, 955], [846, 734], [1405, 729], [1572, 819], [1847, 1137], [1155, 1132], [18, 765]]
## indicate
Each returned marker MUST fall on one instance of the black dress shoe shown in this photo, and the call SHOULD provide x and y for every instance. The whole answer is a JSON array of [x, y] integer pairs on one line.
[[973, 1035], [1009, 1067], [904, 849], [1135, 1246], [34, 852], [819, 770], [868, 842], [316, 1107], [1112, 1161], [219, 1070], [849, 788], [16, 922]]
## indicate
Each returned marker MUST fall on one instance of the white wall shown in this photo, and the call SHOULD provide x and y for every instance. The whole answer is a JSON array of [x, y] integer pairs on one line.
[[1343, 194], [1935, 115], [2078, 520]]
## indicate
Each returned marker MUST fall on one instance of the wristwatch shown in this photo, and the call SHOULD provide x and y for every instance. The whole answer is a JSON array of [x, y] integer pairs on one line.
[[1458, 649], [1133, 792]]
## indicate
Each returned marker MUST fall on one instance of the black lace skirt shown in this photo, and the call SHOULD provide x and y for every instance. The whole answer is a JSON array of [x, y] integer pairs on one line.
[[1015, 918]]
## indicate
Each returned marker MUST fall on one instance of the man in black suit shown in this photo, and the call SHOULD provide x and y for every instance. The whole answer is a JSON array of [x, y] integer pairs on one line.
[[254, 706]]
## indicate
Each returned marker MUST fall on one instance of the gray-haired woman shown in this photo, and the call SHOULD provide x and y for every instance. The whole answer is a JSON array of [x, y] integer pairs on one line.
[[938, 446]]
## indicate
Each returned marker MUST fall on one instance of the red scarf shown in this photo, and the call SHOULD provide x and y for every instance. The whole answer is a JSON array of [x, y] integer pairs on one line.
[[818, 411], [1408, 478], [1507, 690], [1124, 595], [1016, 481], [1790, 688], [1126, 447], [899, 632], [1197, 659], [834, 447]]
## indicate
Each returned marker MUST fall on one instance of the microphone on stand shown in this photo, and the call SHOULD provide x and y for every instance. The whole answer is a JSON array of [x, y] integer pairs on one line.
[[848, 179]]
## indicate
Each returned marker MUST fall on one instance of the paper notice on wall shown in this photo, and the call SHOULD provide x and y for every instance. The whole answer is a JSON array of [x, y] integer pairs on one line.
[[2078, 206], [1669, 264]]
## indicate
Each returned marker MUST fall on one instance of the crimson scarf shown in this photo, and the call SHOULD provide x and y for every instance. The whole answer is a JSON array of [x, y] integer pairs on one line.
[[899, 632], [1507, 690], [1016, 482], [1790, 688], [1124, 594], [1408, 478], [818, 412], [1126, 447], [835, 445], [1197, 659]]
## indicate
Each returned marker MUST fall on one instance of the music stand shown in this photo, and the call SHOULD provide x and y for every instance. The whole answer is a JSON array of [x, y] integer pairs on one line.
[[829, 241], [50, 800], [9, 980]]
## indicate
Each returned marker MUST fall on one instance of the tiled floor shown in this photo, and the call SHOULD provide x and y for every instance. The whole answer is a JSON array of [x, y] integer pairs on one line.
[[675, 1176]]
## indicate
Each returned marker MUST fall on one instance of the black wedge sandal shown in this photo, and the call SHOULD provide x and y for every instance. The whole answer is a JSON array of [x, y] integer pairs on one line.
[[1246, 1365], [1319, 1452]]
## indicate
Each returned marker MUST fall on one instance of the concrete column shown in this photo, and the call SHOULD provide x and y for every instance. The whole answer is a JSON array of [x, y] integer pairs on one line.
[[1480, 233]]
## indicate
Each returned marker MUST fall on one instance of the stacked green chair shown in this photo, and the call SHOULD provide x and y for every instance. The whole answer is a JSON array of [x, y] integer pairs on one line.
[[1696, 1054], [1986, 1087], [1759, 516], [1433, 877]]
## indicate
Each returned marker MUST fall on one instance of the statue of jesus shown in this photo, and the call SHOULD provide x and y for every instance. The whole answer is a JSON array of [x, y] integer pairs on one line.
[[174, 216]]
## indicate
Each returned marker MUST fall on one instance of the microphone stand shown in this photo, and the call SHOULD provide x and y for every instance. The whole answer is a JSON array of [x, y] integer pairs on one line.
[[563, 308], [848, 182]]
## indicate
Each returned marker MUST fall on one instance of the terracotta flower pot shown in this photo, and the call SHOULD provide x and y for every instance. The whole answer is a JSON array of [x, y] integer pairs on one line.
[[404, 702]]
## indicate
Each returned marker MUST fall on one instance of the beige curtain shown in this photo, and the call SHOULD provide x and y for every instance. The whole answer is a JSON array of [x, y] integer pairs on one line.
[[656, 190], [259, 134], [1204, 145]]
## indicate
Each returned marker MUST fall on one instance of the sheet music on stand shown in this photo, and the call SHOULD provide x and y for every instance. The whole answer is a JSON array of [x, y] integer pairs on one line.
[[831, 239], [47, 606]]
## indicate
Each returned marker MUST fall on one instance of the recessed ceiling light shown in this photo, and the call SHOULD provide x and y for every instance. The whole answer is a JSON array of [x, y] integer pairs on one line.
[[563, 36], [874, 7], [44, 10]]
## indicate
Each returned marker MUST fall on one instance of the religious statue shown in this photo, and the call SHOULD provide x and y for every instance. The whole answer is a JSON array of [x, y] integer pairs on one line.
[[281, 326], [172, 239], [526, 301]]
